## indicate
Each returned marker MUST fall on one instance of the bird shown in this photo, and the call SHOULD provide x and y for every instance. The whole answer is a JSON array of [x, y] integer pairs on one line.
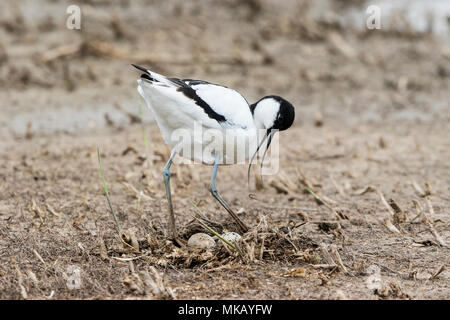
[[182, 106]]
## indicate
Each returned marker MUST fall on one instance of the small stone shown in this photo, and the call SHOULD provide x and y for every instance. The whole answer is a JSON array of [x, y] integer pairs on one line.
[[423, 275], [201, 240], [232, 237]]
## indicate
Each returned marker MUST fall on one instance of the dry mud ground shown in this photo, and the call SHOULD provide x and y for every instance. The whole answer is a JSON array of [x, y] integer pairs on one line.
[[373, 118]]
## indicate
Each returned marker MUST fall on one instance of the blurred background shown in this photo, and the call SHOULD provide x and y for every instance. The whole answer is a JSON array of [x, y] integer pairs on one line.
[[372, 109], [317, 54]]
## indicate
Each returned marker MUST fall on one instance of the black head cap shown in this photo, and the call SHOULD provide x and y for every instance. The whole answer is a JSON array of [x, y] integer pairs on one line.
[[285, 116]]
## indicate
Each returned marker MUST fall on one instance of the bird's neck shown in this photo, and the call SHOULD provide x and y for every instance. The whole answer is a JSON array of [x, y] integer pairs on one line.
[[259, 124]]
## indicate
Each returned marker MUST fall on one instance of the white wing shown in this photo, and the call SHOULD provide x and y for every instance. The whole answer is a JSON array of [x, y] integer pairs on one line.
[[178, 105], [226, 102], [173, 109], [224, 106]]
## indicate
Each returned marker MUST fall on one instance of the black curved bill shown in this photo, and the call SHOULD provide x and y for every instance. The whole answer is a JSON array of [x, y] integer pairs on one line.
[[269, 134], [253, 157]]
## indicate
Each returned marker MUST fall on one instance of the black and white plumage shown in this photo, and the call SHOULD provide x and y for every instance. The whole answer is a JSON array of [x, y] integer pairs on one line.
[[182, 104]]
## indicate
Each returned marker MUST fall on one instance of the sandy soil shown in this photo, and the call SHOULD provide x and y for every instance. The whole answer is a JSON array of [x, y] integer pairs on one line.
[[373, 118]]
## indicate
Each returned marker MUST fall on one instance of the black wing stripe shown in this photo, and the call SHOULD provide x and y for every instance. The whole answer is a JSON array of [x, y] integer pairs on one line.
[[192, 82], [190, 93], [146, 76]]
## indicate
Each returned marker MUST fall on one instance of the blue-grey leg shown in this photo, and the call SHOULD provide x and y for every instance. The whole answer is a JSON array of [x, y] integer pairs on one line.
[[166, 175], [215, 194]]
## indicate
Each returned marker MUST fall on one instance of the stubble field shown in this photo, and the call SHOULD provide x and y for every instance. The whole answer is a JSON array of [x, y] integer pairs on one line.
[[359, 208]]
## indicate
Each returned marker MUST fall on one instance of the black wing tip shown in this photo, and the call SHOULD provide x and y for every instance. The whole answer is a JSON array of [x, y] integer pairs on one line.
[[140, 68], [147, 77]]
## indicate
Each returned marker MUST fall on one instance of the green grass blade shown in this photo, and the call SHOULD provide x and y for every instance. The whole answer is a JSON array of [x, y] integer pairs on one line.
[[105, 190]]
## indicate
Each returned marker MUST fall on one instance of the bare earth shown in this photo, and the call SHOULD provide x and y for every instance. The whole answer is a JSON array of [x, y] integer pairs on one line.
[[372, 118]]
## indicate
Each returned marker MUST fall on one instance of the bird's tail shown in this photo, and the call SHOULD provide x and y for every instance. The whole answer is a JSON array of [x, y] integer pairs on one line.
[[152, 76]]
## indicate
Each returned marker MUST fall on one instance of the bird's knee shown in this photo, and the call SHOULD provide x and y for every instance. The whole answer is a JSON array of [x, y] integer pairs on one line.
[[166, 173], [213, 189]]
